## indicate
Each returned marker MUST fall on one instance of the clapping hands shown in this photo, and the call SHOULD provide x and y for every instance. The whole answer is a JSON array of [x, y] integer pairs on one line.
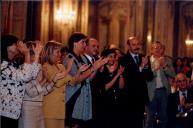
[[22, 48], [60, 75], [182, 101], [121, 70], [99, 63], [144, 62], [38, 48], [83, 67]]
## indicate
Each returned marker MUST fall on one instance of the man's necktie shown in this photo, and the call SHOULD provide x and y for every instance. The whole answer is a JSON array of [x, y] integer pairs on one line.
[[184, 94], [92, 60], [136, 60]]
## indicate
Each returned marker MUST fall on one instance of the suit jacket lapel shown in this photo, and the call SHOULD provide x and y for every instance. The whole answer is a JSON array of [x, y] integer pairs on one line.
[[88, 61], [131, 59], [177, 98], [189, 96], [140, 59]]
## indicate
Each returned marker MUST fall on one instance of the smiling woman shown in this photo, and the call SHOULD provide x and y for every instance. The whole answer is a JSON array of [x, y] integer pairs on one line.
[[54, 102]]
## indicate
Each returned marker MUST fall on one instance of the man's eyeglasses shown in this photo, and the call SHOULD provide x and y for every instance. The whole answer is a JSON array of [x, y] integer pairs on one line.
[[157, 47]]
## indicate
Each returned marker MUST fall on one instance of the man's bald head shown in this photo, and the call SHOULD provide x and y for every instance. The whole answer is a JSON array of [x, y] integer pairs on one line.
[[134, 45], [92, 47], [182, 81]]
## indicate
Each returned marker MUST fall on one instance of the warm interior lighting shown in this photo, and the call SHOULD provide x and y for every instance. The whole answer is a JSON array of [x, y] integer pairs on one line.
[[149, 38], [131, 37], [189, 45], [65, 16], [189, 42], [59, 15]]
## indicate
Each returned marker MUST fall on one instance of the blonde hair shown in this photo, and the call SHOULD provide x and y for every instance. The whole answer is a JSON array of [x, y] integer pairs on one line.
[[47, 52]]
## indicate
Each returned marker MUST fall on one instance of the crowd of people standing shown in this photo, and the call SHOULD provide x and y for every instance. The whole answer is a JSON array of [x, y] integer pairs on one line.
[[74, 86]]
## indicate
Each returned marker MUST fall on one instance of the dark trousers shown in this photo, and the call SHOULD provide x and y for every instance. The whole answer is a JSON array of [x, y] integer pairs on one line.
[[80, 123], [134, 120], [158, 109], [8, 122]]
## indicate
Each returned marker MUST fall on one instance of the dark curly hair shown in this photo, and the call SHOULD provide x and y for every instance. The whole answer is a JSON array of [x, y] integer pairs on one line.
[[6, 41]]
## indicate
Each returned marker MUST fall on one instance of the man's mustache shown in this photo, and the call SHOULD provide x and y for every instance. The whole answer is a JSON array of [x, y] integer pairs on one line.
[[136, 49]]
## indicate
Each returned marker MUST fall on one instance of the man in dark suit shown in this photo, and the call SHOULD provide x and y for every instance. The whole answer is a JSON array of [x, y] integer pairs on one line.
[[180, 104], [137, 71], [89, 57]]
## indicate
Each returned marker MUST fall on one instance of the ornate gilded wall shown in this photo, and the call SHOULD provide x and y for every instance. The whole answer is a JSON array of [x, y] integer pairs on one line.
[[119, 20], [60, 18], [185, 31], [112, 22]]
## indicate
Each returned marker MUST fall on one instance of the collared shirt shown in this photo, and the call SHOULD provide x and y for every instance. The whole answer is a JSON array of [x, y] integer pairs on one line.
[[181, 93], [90, 58], [154, 63], [133, 56]]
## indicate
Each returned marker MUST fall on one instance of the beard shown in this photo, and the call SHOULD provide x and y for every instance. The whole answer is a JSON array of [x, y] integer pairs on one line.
[[136, 50]]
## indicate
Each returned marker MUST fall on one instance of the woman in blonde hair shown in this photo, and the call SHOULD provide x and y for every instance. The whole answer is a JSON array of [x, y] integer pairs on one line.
[[32, 113], [54, 102]]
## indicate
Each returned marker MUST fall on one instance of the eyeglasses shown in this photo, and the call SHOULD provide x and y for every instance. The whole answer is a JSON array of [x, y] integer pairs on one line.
[[181, 81], [157, 46]]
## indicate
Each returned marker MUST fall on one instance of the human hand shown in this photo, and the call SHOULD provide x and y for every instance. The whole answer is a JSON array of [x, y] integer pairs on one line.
[[99, 63], [182, 101], [83, 67], [144, 61], [188, 105], [121, 70], [60, 75], [38, 48], [161, 61], [22, 48]]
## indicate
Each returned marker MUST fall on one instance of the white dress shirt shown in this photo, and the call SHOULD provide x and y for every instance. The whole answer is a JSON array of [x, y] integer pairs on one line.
[[154, 65]]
